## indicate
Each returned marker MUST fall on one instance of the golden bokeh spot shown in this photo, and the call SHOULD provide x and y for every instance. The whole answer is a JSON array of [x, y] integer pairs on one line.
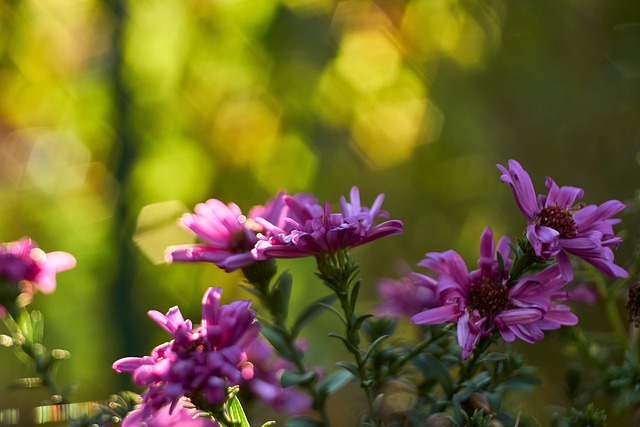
[[245, 130], [291, 166], [368, 59]]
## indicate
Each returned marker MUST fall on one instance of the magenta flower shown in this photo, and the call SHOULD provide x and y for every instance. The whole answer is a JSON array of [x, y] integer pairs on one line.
[[265, 383], [407, 296], [183, 415], [228, 235], [481, 303], [555, 225], [310, 229], [199, 362], [23, 260]]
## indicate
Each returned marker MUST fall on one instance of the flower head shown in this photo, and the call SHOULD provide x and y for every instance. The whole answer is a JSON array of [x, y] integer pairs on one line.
[[24, 267], [556, 225], [228, 235], [199, 363], [480, 301], [409, 295], [312, 229]]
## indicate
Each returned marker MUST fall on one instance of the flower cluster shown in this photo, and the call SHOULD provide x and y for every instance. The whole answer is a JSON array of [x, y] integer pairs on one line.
[[482, 301], [498, 299], [288, 226], [199, 363]]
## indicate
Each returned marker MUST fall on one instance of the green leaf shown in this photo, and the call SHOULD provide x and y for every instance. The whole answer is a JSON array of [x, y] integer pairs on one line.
[[354, 293], [358, 323], [236, 413], [281, 294], [310, 312], [494, 357], [334, 310], [373, 346], [334, 382], [289, 378], [277, 340], [349, 366], [37, 324], [346, 342], [430, 366]]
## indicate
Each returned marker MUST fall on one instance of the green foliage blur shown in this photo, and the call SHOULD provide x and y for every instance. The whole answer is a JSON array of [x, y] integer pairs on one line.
[[118, 116]]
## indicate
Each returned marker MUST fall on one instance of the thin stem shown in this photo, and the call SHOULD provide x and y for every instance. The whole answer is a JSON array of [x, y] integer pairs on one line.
[[353, 337], [337, 270]]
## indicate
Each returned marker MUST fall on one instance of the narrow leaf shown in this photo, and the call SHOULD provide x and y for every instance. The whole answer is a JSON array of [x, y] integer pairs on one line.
[[277, 340], [346, 342], [354, 294], [335, 381], [349, 366], [289, 378], [373, 346], [311, 312], [281, 293], [236, 413], [334, 310], [358, 323]]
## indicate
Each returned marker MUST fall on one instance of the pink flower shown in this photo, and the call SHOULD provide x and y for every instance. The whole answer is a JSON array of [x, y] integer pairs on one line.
[[201, 361], [310, 229], [228, 235], [183, 415], [555, 226], [480, 301], [23, 260], [407, 296]]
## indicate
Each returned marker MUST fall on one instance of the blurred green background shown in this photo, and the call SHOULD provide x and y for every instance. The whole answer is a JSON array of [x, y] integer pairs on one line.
[[117, 116]]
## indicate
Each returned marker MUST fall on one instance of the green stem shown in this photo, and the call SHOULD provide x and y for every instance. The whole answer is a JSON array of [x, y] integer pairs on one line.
[[353, 337], [260, 276], [337, 270], [41, 358]]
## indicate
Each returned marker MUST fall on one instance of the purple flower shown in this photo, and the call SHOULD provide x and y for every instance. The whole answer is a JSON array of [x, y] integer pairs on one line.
[[199, 362], [265, 383], [480, 301], [407, 296], [555, 225], [183, 415], [228, 235], [311, 229], [23, 260]]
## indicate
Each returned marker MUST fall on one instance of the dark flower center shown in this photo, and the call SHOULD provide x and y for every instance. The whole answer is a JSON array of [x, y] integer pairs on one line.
[[489, 297], [560, 219]]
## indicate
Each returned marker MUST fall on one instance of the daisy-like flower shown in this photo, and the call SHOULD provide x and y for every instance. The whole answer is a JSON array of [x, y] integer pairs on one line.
[[556, 226], [22, 260], [199, 363], [409, 295], [228, 235], [310, 229], [481, 303]]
